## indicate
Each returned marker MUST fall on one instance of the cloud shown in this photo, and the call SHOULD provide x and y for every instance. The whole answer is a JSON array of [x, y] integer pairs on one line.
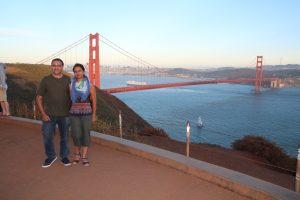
[[12, 32]]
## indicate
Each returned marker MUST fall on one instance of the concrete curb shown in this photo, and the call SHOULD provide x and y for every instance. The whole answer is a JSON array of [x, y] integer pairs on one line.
[[237, 182]]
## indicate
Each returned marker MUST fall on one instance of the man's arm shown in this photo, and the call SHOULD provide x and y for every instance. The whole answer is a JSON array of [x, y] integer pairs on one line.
[[39, 101]]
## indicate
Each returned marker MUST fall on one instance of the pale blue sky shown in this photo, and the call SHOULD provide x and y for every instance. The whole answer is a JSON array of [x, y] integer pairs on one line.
[[165, 33]]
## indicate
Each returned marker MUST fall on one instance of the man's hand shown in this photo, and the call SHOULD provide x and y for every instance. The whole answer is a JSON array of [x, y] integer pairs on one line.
[[45, 118]]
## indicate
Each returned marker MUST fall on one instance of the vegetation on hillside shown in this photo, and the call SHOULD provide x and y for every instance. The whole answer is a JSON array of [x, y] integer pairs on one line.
[[265, 149]]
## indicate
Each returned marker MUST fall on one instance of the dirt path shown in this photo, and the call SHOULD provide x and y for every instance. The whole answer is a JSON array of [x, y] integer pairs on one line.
[[112, 174]]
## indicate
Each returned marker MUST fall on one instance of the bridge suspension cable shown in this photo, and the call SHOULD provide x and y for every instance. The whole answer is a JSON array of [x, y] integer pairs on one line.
[[251, 63], [69, 47], [125, 52]]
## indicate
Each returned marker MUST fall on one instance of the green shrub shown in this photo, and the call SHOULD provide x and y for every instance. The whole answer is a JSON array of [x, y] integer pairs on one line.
[[263, 148], [149, 131]]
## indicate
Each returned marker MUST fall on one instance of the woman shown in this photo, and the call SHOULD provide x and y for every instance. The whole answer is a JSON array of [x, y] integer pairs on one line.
[[82, 113], [3, 89]]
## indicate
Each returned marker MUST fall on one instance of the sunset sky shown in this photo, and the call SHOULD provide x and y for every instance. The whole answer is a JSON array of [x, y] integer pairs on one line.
[[211, 33]]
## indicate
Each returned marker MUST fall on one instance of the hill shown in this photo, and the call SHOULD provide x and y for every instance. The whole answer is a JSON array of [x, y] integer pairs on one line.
[[233, 73], [23, 80]]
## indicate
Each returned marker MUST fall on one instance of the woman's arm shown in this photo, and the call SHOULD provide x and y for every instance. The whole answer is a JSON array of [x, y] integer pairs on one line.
[[94, 102]]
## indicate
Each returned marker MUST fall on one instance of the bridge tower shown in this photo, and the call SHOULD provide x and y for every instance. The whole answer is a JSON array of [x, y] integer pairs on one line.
[[94, 60], [258, 73]]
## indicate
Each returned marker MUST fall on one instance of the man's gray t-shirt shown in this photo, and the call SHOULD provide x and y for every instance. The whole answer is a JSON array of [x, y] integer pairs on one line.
[[56, 95]]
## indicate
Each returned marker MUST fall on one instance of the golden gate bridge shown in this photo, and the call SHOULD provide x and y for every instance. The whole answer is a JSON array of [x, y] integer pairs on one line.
[[94, 67]]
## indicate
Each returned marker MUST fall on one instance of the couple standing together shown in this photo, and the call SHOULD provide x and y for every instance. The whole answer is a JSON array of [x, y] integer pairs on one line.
[[59, 98]]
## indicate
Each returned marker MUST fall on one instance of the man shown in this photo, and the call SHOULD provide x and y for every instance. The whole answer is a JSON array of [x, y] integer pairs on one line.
[[53, 100]]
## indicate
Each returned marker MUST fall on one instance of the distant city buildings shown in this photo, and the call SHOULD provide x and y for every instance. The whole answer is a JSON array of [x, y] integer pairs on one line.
[[277, 84]]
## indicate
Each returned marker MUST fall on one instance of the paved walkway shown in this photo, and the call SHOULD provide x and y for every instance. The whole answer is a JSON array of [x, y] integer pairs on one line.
[[112, 174]]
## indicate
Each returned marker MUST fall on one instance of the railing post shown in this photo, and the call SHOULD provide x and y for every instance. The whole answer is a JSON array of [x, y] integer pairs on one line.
[[297, 181], [188, 138], [120, 123]]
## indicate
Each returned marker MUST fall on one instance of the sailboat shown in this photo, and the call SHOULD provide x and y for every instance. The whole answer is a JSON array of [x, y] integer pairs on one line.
[[200, 123]]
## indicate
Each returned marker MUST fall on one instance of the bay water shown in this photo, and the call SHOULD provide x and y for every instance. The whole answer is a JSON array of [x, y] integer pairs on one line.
[[228, 111]]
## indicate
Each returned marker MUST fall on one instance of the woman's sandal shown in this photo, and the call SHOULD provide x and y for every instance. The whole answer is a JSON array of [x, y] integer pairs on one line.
[[76, 159], [85, 162]]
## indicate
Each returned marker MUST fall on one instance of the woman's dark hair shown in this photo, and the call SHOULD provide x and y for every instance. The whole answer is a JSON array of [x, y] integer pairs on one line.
[[58, 59], [79, 65]]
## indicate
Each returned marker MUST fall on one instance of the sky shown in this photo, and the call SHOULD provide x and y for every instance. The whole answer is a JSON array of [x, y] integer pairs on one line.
[[186, 33]]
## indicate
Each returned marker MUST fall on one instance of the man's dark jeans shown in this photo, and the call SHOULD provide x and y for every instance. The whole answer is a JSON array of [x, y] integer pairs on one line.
[[48, 133]]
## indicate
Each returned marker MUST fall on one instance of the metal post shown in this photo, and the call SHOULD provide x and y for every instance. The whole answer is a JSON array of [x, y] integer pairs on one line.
[[34, 110], [297, 183], [188, 138], [120, 123]]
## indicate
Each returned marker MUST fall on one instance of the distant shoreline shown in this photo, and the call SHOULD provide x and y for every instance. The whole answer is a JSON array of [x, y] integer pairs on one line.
[[289, 82]]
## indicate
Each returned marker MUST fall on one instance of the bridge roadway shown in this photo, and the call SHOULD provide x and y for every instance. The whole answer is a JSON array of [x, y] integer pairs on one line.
[[112, 174], [167, 85]]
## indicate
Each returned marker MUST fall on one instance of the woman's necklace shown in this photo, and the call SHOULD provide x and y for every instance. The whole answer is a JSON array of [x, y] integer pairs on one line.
[[80, 85]]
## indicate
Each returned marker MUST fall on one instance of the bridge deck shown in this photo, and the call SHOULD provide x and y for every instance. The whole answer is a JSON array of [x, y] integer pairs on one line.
[[112, 174], [178, 84]]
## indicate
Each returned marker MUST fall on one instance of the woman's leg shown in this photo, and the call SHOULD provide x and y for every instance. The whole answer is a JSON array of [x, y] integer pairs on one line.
[[6, 105], [3, 108], [76, 130], [2, 99], [76, 136], [85, 160], [77, 150], [77, 155], [87, 125], [84, 151]]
